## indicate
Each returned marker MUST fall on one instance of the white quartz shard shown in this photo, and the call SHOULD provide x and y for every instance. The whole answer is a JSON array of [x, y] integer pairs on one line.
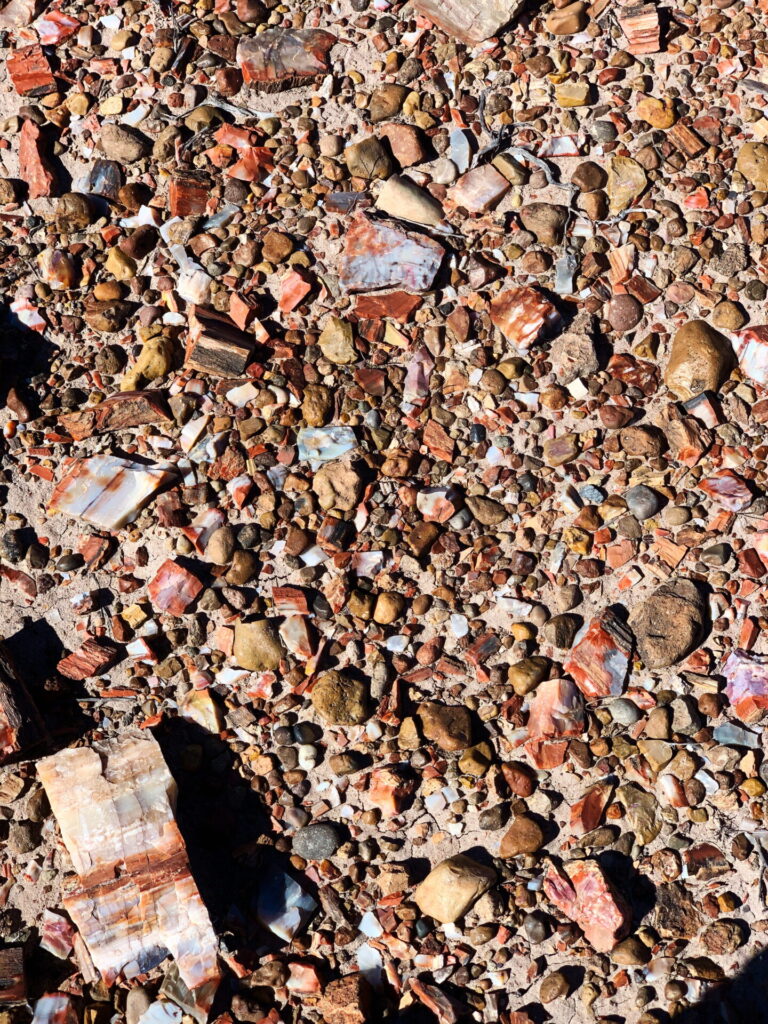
[[105, 491], [136, 901], [55, 1008]]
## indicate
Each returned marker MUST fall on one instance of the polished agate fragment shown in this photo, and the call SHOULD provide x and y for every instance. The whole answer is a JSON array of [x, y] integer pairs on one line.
[[55, 1008], [521, 314], [106, 491], [556, 710], [174, 588], [283, 906], [587, 813], [599, 660], [583, 893], [470, 21], [317, 445], [555, 716], [380, 255], [751, 348], [746, 684], [728, 489], [479, 189], [281, 57], [391, 789], [135, 901]]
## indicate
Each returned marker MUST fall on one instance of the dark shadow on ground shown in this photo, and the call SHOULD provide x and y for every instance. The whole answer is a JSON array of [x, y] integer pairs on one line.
[[36, 650], [742, 999]]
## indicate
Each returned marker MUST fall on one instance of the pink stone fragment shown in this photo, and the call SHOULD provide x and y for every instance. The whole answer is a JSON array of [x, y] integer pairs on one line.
[[174, 588], [470, 21], [599, 660], [134, 901], [751, 348], [521, 314], [587, 813], [746, 687], [294, 288], [53, 26], [33, 166], [556, 711], [582, 892], [479, 189], [728, 489], [381, 255], [390, 789]]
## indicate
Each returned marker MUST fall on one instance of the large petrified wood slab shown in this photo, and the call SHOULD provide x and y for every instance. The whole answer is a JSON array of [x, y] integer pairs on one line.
[[470, 21], [136, 901]]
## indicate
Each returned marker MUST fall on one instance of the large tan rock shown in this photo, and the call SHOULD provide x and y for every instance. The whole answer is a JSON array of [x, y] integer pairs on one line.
[[752, 162], [257, 646], [700, 360], [340, 700], [450, 889]]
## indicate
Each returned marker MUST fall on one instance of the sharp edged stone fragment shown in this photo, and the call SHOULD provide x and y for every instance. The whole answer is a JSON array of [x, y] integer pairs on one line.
[[600, 658], [378, 255], [751, 348], [403, 198], [470, 21], [280, 57], [522, 314], [583, 893], [107, 492], [450, 889], [257, 646], [283, 906], [136, 901], [746, 684]]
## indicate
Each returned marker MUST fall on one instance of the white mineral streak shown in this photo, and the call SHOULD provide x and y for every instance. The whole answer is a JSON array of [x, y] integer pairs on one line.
[[107, 492], [137, 901]]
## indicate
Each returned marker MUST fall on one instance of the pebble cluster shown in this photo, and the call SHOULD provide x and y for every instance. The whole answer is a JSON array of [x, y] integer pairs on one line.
[[385, 389]]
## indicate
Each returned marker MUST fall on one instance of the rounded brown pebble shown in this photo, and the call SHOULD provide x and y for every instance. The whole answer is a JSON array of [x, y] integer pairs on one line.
[[624, 313], [524, 836]]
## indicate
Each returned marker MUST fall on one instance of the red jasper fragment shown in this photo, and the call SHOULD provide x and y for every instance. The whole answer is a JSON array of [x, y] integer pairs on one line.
[[581, 891], [174, 588]]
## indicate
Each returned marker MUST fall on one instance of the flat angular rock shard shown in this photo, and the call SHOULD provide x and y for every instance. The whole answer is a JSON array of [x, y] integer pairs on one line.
[[30, 71], [521, 314], [20, 724], [129, 409], [751, 348], [582, 892], [746, 684], [380, 255], [136, 901], [95, 656], [107, 492], [34, 167], [470, 21], [280, 58], [216, 345], [640, 24], [599, 661]]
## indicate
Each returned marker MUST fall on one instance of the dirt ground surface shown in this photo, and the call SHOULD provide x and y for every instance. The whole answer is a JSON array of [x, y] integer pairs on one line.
[[384, 522]]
